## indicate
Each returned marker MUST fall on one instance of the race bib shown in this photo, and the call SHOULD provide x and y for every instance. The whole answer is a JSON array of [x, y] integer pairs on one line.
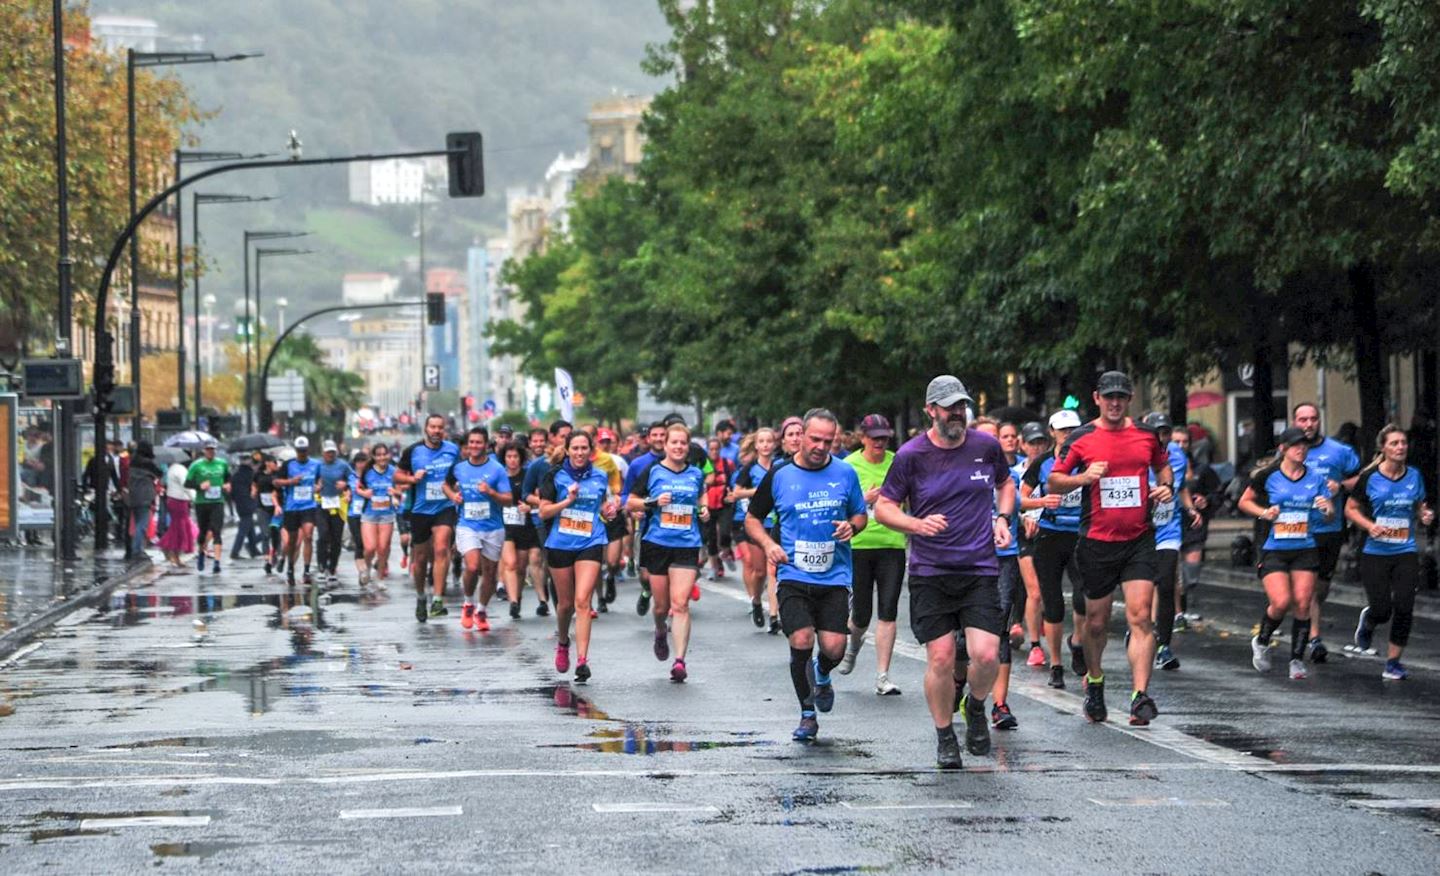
[[303, 493], [380, 500], [578, 523], [434, 491], [1397, 530], [1291, 524], [267, 500], [1073, 499], [742, 506], [1163, 514], [1120, 492], [814, 556], [677, 516], [512, 516], [330, 503], [212, 493], [477, 510]]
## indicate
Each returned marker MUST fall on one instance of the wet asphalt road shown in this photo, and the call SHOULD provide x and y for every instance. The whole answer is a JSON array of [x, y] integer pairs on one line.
[[202, 721]]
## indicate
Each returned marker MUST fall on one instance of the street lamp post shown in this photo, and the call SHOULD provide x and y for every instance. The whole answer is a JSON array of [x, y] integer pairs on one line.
[[252, 352], [209, 336], [280, 304], [136, 60], [260, 255], [195, 203]]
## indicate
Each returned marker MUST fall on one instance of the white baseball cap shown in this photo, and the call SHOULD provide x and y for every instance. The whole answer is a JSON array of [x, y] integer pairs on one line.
[[329, 447], [1066, 419], [302, 443]]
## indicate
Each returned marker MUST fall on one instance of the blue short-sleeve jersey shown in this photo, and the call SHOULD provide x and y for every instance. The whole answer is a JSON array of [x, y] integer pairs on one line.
[[357, 501], [676, 525], [580, 525], [1017, 471], [1066, 518], [808, 504], [430, 464], [1335, 461], [477, 510], [1166, 517], [1294, 529], [300, 496], [380, 482], [1392, 504]]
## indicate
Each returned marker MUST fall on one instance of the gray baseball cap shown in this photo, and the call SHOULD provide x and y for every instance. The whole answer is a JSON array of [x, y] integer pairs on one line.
[[1115, 383], [1032, 432], [945, 391]]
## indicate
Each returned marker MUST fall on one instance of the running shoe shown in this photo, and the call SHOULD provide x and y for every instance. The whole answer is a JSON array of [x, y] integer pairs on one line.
[[642, 604], [885, 687], [308, 579], [1181, 624], [947, 749], [820, 687], [694, 592], [290, 578], [977, 729], [1095, 701], [1166, 659], [1057, 677], [542, 610], [200, 562], [515, 610], [582, 671], [1259, 655], [215, 569], [630, 567], [1317, 651], [809, 728], [757, 615], [852, 650], [1193, 616], [1036, 658], [332, 579], [420, 613], [604, 608], [593, 614], [1394, 671], [677, 671], [1077, 657], [1297, 670], [562, 657], [774, 625], [467, 615], [1142, 709], [267, 567], [1363, 634], [1001, 717], [662, 645], [482, 622], [609, 588], [437, 607]]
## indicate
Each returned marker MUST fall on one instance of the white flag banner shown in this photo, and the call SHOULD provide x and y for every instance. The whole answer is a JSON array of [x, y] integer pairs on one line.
[[565, 389]]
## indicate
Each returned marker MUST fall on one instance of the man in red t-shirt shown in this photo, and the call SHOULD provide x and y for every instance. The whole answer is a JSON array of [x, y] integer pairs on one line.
[[1113, 458]]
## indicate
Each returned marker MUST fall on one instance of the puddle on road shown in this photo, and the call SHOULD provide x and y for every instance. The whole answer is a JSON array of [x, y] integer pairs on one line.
[[1237, 740], [190, 850], [648, 739], [300, 605], [76, 819]]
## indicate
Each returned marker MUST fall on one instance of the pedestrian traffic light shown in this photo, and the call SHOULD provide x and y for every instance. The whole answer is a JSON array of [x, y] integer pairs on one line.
[[466, 164], [435, 308]]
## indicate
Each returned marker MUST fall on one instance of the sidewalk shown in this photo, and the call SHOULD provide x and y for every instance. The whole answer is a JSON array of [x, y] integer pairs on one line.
[[35, 592]]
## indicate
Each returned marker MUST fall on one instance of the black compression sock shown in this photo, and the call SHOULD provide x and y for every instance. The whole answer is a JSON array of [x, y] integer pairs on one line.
[[1299, 637], [799, 677], [827, 664], [1268, 626]]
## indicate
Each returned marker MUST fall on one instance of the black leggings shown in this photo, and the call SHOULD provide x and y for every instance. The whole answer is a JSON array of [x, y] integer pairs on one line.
[[332, 534], [1390, 590], [878, 572], [1009, 584], [1054, 556], [1167, 564], [710, 529], [357, 542]]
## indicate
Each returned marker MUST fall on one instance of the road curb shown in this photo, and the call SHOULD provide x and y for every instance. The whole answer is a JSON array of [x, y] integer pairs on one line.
[[16, 637]]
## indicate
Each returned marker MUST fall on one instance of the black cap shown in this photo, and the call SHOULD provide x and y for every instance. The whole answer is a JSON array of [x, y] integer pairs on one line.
[[1157, 422], [724, 425], [1292, 435], [1032, 432], [1115, 383]]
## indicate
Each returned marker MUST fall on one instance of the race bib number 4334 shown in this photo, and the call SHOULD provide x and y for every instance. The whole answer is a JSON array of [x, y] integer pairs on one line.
[[1120, 492]]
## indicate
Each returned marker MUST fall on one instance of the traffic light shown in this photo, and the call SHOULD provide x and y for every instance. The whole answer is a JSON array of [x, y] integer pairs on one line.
[[467, 164], [435, 308]]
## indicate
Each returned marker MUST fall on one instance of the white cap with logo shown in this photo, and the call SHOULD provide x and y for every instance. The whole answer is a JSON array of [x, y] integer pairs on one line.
[[302, 443], [1066, 419]]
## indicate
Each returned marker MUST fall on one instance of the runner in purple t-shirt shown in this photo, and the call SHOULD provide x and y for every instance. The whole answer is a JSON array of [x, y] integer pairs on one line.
[[952, 480]]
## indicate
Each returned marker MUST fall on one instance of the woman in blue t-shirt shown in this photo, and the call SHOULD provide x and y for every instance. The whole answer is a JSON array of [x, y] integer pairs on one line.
[[756, 454], [1388, 501], [671, 494], [576, 496], [1292, 499]]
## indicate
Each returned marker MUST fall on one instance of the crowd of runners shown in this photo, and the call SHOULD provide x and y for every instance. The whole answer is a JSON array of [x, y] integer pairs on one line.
[[982, 521]]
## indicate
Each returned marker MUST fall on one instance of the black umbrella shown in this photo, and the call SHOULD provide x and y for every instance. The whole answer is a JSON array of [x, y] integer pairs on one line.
[[254, 441], [171, 455]]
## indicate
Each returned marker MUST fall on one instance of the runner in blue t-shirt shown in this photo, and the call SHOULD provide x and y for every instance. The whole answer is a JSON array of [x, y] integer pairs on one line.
[[422, 467], [1057, 530], [575, 497], [820, 506], [655, 441], [381, 496], [1169, 520], [671, 495], [1389, 502], [334, 481], [479, 486], [1291, 498], [758, 453], [298, 478], [1339, 464]]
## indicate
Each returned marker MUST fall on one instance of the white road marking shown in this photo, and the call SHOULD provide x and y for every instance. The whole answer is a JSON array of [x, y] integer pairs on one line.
[[1398, 804], [145, 821], [611, 808], [1203, 802], [403, 812], [886, 807], [22, 654]]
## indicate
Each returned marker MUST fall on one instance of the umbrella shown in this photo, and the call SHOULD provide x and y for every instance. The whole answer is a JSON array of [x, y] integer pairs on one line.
[[191, 440], [254, 441], [170, 455], [1203, 399]]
